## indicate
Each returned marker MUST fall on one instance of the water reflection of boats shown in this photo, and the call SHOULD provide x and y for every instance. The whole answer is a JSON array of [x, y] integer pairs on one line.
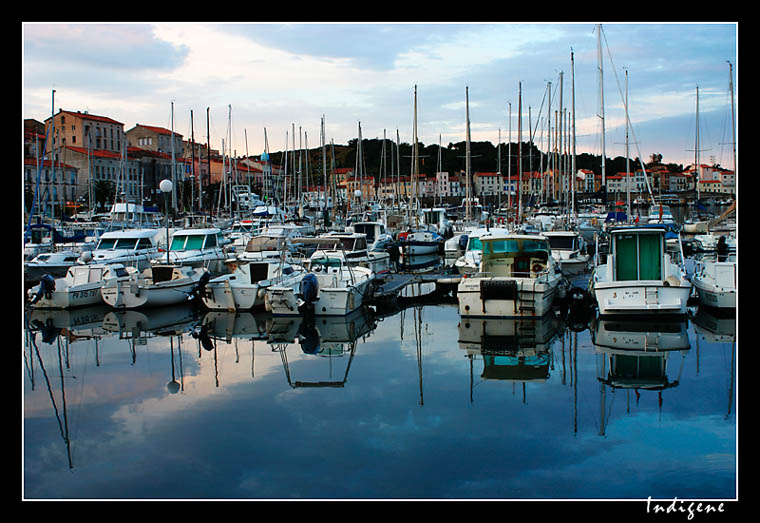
[[320, 335], [514, 349], [228, 325], [83, 322], [419, 262], [159, 321], [637, 353], [715, 325], [326, 337]]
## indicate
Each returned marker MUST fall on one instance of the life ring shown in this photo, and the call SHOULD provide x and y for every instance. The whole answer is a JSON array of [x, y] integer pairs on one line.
[[537, 267]]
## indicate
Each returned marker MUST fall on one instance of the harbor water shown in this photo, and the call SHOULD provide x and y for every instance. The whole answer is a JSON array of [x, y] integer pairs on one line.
[[418, 403]]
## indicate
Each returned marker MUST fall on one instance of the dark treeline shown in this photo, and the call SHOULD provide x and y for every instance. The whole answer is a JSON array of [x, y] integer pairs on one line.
[[484, 158]]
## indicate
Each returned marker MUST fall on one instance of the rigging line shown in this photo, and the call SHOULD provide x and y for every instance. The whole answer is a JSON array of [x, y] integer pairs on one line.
[[627, 117]]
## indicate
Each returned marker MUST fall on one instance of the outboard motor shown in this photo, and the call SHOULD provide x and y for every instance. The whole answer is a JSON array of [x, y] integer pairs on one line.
[[196, 291], [463, 242], [722, 247], [47, 286], [307, 291]]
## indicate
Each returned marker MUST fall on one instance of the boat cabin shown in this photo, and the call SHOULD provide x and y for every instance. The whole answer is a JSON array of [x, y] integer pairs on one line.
[[515, 256], [195, 239], [638, 253]]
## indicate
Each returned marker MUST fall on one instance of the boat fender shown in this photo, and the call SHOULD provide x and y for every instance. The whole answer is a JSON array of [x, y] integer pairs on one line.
[[47, 286]]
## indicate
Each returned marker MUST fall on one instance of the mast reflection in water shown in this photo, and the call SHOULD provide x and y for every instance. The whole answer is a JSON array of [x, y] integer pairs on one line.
[[406, 401]]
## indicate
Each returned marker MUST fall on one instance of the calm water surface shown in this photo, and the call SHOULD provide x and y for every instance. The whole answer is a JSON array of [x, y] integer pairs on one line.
[[169, 403]]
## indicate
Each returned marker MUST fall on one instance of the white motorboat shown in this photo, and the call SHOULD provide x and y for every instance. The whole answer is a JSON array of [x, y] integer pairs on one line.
[[157, 285], [55, 264], [196, 248], [378, 238], [435, 220], [706, 242], [716, 282], [273, 241], [245, 286], [79, 288], [569, 251], [135, 247], [415, 242], [331, 288], [517, 277], [639, 275], [351, 247]]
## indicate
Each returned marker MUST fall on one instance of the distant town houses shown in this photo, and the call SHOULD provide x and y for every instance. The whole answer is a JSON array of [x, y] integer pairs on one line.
[[71, 156]]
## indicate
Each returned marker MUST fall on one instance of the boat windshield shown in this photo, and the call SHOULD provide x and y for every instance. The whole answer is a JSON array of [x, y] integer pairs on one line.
[[475, 245], [187, 243], [319, 263], [562, 243], [515, 246]]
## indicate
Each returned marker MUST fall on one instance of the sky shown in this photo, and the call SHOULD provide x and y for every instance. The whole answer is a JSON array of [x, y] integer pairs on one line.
[[275, 77]]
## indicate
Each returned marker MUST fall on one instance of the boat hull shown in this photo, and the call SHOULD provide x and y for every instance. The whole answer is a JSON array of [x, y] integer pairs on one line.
[[75, 296], [136, 293], [341, 301], [712, 296], [503, 297], [640, 297]]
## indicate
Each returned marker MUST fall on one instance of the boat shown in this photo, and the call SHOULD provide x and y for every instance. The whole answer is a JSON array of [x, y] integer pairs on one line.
[[55, 264], [245, 286], [660, 213], [640, 275], [135, 247], [419, 241], [351, 247], [568, 249], [196, 248], [435, 219], [273, 241], [716, 282], [378, 237], [158, 285], [517, 277], [79, 288], [330, 288]]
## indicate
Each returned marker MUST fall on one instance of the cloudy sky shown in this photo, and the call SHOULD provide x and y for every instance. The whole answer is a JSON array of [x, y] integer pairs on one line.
[[271, 76]]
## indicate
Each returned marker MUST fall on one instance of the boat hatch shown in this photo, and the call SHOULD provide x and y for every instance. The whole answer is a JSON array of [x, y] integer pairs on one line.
[[259, 271], [638, 256], [160, 273]]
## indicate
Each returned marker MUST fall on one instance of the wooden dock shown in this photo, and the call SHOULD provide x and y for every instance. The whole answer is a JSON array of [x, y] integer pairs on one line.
[[393, 284]]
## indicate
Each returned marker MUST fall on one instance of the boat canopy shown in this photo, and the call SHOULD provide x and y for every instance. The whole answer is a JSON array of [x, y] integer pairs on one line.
[[638, 253]]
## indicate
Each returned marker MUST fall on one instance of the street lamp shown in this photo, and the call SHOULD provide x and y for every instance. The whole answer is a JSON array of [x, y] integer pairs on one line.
[[166, 188]]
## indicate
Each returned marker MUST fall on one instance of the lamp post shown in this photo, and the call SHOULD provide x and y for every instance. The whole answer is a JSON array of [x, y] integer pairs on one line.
[[166, 188]]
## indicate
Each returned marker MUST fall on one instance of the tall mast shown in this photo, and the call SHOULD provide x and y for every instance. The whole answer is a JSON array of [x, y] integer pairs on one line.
[[601, 103], [467, 154], [509, 162], [696, 145], [519, 154], [627, 156], [208, 153], [572, 167], [324, 160], [733, 121], [415, 157]]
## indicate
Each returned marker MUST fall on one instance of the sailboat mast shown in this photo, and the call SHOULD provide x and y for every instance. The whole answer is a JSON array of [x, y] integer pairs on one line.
[[415, 153], [627, 156], [696, 146], [733, 121], [601, 101], [519, 154], [467, 154], [509, 161], [572, 166]]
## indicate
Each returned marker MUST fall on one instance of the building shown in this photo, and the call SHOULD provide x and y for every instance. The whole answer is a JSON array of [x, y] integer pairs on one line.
[[54, 184], [157, 139], [81, 129]]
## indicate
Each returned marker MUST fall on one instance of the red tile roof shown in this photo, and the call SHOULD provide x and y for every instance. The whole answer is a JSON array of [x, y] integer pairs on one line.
[[158, 130], [87, 116]]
